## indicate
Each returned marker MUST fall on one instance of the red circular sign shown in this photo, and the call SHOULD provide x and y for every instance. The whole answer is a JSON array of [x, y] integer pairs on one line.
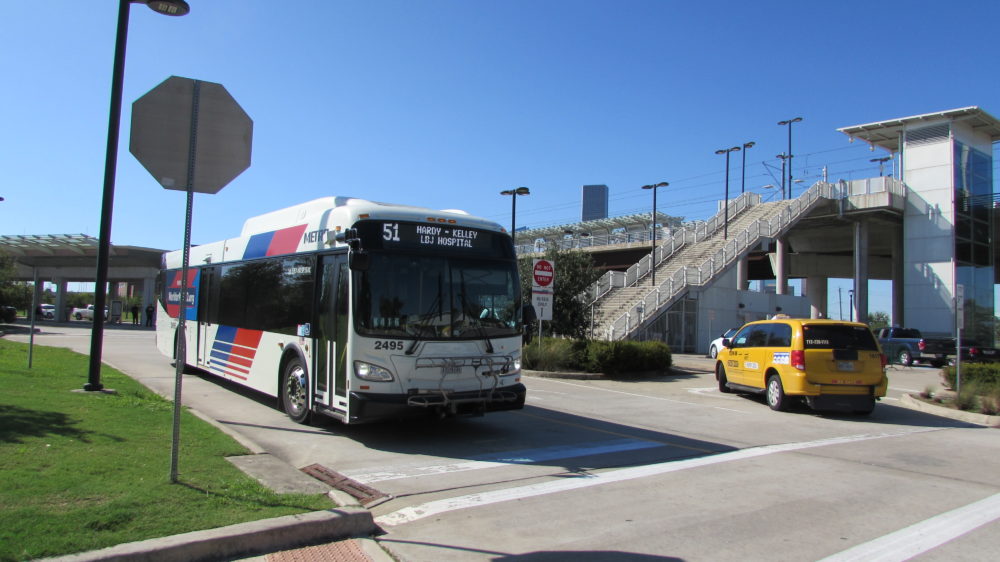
[[543, 273]]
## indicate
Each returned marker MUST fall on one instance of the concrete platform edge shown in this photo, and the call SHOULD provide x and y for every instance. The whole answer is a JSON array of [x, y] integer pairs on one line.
[[909, 401], [243, 539]]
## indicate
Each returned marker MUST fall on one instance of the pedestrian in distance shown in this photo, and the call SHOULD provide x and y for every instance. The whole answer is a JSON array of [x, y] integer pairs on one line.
[[135, 315], [149, 315]]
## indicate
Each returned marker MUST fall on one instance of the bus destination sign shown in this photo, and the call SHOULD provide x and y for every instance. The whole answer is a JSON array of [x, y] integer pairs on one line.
[[434, 236]]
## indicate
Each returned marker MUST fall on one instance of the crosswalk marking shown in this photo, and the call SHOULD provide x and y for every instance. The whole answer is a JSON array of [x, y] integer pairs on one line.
[[410, 514], [925, 535], [528, 456]]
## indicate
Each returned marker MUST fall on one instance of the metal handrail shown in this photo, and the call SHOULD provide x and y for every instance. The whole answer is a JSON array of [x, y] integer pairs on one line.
[[673, 243], [667, 291]]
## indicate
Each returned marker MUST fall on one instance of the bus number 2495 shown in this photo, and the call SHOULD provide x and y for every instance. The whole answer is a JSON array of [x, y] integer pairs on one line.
[[393, 345]]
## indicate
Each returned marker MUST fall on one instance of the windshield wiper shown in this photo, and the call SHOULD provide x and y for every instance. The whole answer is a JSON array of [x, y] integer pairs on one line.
[[435, 304], [479, 325]]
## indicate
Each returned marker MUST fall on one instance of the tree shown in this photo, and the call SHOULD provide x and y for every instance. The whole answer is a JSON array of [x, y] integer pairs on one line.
[[574, 273], [877, 320], [11, 292]]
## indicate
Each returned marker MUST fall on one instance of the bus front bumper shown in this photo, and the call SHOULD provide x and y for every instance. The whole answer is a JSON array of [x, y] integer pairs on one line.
[[368, 406]]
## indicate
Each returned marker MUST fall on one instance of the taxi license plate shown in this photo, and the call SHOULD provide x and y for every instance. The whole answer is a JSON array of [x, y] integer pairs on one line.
[[845, 365]]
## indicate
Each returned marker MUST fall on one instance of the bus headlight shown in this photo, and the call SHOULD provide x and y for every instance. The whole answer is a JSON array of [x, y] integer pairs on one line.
[[370, 372]]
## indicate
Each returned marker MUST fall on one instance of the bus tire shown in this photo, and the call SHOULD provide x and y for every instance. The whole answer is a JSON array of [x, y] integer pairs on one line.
[[295, 391]]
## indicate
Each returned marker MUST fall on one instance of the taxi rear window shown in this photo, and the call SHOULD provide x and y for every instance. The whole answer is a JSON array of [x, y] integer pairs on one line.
[[838, 337]]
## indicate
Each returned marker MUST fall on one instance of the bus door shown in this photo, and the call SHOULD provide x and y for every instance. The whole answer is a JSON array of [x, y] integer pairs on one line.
[[330, 331], [206, 309]]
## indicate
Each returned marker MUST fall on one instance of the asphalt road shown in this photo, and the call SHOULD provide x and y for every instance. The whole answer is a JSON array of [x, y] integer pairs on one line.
[[656, 469]]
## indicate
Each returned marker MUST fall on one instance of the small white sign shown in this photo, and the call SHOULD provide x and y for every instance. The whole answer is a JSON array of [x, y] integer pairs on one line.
[[543, 305]]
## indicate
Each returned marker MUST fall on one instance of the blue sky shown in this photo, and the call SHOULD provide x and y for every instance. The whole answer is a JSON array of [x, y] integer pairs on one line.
[[444, 103]]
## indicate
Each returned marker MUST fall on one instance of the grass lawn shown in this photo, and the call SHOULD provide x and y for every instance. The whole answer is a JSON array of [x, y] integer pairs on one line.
[[85, 471]]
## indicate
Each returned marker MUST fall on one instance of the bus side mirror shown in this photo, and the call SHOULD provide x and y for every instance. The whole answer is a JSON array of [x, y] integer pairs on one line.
[[358, 261]]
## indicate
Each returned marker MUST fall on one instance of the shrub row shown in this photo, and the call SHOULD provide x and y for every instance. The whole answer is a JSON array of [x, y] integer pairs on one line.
[[589, 356], [984, 375]]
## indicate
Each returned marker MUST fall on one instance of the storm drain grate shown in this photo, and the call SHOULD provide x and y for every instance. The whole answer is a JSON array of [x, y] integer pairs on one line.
[[364, 494]]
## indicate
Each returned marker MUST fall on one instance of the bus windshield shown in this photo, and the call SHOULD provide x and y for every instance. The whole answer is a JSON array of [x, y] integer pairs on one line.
[[439, 298]]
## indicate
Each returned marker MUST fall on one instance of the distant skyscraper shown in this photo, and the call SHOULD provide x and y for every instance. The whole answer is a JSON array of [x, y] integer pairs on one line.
[[595, 202]]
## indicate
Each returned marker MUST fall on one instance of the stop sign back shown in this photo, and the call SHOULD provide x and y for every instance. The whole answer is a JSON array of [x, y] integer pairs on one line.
[[186, 127], [543, 275]]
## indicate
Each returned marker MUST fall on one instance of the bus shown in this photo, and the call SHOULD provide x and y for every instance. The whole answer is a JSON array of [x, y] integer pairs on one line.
[[353, 309]]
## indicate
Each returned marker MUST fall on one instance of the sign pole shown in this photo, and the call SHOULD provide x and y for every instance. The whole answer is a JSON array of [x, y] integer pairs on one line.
[[181, 359]]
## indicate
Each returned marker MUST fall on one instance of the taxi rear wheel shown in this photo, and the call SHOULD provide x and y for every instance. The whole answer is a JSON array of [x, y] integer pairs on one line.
[[867, 409], [776, 393]]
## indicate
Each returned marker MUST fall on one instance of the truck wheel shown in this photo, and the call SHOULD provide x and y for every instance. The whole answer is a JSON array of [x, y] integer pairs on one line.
[[295, 391], [905, 358], [79, 316], [776, 393]]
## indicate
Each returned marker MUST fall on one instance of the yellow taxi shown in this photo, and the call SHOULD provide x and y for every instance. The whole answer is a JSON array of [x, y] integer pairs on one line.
[[830, 364]]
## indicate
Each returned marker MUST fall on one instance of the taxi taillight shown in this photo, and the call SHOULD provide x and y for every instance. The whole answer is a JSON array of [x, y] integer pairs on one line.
[[885, 361], [799, 359]]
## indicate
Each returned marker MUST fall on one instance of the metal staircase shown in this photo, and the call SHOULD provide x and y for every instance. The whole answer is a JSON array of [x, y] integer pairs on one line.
[[621, 303]]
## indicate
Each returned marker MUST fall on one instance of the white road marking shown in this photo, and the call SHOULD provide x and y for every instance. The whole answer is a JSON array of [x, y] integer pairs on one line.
[[410, 514], [926, 535], [515, 457], [660, 398]]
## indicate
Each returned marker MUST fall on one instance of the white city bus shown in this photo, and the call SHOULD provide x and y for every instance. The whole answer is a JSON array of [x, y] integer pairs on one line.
[[355, 309]]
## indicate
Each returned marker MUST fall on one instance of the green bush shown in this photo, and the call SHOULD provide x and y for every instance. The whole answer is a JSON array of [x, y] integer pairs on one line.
[[610, 358], [986, 376]]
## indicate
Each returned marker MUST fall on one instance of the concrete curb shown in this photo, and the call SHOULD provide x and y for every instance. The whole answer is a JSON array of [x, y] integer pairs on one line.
[[243, 539], [979, 419], [563, 375]]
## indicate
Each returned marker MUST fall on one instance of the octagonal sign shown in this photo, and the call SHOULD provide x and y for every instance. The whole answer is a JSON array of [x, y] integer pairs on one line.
[[187, 128]]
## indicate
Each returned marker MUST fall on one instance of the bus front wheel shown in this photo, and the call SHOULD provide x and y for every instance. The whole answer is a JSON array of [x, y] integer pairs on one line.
[[295, 391]]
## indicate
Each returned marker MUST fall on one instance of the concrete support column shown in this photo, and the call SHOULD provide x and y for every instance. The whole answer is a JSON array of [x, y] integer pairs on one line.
[[148, 297], [898, 315], [861, 271], [36, 298], [62, 315], [781, 277], [742, 265], [816, 289]]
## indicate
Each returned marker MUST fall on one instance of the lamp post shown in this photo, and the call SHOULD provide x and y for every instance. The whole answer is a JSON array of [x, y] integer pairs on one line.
[[652, 228], [783, 157], [513, 207], [743, 173], [789, 123], [881, 164], [725, 203], [165, 7]]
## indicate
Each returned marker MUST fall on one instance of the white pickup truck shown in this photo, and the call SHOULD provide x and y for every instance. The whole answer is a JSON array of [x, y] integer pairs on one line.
[[86, 313]]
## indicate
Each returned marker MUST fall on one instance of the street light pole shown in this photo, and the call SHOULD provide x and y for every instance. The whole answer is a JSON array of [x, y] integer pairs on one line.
[[725, 203], [513, 207], [783, 157], [166, 7], [743, 173], [652, 229], [789, 123], [881, 164]]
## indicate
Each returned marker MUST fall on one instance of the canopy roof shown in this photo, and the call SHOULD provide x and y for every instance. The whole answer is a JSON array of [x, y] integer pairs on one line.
[[885, 134]]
